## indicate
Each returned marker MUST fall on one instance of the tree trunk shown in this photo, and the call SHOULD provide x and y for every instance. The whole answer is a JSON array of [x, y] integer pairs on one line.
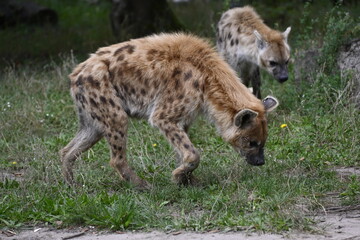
[[138, 18]]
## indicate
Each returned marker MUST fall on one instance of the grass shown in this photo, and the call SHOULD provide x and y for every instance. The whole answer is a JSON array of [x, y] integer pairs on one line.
[[37, 119]]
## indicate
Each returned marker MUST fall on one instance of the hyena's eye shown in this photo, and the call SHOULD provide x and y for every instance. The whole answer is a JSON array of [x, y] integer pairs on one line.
[[273, 64], [254, 144]]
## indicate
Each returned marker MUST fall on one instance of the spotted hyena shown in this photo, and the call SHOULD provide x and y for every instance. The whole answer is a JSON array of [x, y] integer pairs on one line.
[[247, 43], [167, 79]]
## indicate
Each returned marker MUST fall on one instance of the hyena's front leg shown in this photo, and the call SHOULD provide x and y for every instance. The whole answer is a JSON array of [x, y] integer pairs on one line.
[[256, 82], [189, 156]]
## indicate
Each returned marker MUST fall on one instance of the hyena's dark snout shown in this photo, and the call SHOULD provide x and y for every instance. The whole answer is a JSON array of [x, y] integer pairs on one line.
[[283, 78], [256, 159], [281, 74]]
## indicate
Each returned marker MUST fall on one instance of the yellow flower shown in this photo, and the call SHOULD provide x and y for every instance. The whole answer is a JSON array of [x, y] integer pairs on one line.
[[283, 125], [14, 162], [154, 145]]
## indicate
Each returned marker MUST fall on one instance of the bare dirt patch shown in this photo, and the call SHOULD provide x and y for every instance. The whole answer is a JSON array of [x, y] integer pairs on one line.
[[335, 222]]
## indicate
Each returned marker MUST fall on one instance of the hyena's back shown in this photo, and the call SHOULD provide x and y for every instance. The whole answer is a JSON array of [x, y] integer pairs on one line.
[[141, 74]]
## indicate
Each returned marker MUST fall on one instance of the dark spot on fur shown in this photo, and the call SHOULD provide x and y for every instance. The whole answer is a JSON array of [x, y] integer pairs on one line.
[[237, 41], [138, 74], [177, 136], [95, 116], [176, 72], [126, 89], [121, 134], [181, 96], [188, 75], [229, 35], [93, 94], [111, 75], [111, 102], [117, 90], [93, 83], [196, 84], [232, 42], [132, 90], [79, 81], [186, 146], [177, 84], [103, 99], [106, 62], [162, 115], [146, 82], [143, 92], [120, 58], [130, 49], [93, 103], [220, 40], [80, 98], [100, 53]]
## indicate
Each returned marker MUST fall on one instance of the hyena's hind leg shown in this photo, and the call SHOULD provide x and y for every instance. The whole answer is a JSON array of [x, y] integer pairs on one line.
[[87, 135]]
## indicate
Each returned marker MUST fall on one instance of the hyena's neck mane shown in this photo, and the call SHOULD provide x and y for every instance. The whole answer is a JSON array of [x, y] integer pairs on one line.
[[247, 20], [225, 95]]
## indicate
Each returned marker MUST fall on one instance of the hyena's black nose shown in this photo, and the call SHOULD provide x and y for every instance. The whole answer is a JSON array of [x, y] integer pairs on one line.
[[260, 161], [283, 78], [256, 160]]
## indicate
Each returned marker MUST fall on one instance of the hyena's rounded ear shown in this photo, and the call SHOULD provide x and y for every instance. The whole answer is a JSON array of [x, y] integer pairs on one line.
[[270, 103], [286, 33], [244, 118], [260, 41]]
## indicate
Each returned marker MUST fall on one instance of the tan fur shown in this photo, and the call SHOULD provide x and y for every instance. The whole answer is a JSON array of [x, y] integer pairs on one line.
[[168, 79], [246, 52]]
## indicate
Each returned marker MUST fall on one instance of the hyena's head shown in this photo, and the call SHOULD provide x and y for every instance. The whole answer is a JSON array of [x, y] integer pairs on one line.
[[251, 132], [274, 53]]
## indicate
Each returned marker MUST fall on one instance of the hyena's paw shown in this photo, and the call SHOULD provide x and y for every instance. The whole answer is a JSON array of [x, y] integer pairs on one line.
[[185, 179], [141, 184]]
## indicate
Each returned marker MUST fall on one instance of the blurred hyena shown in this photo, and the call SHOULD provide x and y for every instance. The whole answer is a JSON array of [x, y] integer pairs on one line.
[[247, 43], [167, 79]]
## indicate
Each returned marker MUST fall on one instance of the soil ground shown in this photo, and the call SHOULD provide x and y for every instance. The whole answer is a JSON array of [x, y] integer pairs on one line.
[[344, 225]]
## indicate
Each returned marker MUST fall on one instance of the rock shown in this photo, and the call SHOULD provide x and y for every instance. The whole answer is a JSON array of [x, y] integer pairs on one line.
[[306, 65], [349, 63], [13, 12]]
